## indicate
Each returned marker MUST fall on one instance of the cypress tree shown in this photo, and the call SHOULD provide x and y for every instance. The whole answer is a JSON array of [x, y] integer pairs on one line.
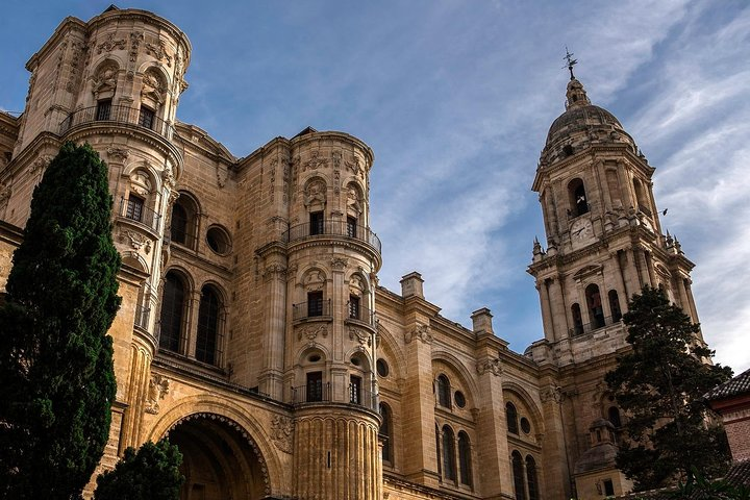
[[150, 473], [660, 384], [55, 355]]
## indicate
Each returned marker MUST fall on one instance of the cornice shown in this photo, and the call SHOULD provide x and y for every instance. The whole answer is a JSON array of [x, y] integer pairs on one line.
[[301, 140]]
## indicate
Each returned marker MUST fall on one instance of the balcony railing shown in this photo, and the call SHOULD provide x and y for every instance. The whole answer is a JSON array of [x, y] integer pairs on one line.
[[320, 392], [117, 114], [313, 309], [601, 322], [136, 211], [360, 313], [332, 228]]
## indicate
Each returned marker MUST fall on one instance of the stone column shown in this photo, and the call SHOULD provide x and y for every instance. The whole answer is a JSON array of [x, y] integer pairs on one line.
[[554, 446], [495, 473], [271, 378]]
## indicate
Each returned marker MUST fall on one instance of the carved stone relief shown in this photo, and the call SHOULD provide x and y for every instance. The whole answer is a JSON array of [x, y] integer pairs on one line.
[[361, 336], [315, 193], [158, 387], [140, 183], [40, 164], [312, 332], [282, 433], [421, 332], [118, 154], [105, 80], [159, 51], [110, 43], [490, 365], [153, 87], [339, 263], [314, 281], [315, 162]]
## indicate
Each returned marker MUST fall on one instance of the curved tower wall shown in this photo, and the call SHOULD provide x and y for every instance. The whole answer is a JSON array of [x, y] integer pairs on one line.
[[113, 82]]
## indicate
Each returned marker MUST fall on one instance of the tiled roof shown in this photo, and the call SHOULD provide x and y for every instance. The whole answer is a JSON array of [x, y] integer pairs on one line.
[[734, 387], [739, 474]]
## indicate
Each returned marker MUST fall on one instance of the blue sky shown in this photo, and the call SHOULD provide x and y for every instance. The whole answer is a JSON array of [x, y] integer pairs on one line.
[[455, 97]]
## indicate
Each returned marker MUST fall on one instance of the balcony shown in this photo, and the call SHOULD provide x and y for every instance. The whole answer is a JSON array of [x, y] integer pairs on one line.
[[601, 322], [336, 228], [134, 209], [123, 115], [314, 309], [320, 392], [360, 314]]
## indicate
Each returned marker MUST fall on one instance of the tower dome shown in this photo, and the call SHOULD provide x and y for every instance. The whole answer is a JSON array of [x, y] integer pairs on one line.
[[580, 126]]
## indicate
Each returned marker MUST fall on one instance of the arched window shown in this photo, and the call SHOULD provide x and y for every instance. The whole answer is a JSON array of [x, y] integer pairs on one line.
[[184, 221], [641, 198], [385, 432], [511, 416], [577, 194], [613, 415], [449, 454], [531, 478], [464, 458], [209, 316], [594, 301], [614, 306], [444, 391], [575, 311], [172, 312], [518, 479]]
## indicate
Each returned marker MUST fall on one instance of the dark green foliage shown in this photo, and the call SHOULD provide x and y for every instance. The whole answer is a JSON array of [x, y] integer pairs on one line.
[[660, 384], [151, 473], [55, 355]]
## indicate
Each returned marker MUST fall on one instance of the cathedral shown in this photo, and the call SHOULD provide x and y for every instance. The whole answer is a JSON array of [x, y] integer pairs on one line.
[[253, 332]]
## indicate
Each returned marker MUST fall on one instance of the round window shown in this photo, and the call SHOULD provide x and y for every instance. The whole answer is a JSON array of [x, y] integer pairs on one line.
[[218, 240], [460, 399], [314, 358], [382, 368], [356, 361], [525, 425]]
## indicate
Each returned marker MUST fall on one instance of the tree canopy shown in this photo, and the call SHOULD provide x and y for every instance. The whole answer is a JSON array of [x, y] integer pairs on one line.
[[660, 384], [55, 355], [150, 473]]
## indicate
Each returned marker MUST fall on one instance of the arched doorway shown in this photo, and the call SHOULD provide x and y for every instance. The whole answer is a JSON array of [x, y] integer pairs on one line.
[[220, 461]]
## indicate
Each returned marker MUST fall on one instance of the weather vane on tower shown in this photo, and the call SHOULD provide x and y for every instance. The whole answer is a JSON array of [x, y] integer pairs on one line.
[[571, 62]]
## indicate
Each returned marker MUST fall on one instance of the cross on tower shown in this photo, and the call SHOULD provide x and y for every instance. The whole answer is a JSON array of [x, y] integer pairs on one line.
[[571, 62]]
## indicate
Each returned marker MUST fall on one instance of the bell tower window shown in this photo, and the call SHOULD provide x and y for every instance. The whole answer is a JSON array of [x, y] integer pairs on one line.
[[575, 311], [578, 202], [594, 301], [614, 306]]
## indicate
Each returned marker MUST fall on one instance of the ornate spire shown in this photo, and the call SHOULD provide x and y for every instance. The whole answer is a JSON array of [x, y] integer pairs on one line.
[[576, 94]]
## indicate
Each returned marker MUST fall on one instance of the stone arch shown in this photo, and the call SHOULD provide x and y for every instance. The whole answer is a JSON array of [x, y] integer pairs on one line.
[[315, 193], [136, 261], [308, 349], [355, 199], [388, 344], [184, 274], [524, 397], [460, 372], [154, 87], [314, 278], [105, 77], [218, 409]]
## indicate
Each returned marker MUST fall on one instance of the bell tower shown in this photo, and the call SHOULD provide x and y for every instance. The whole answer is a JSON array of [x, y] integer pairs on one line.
[[604, 236]]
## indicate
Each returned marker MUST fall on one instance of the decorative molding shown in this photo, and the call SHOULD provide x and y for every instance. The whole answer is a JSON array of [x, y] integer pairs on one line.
[[421, 332], [552, 393], [360, 335], [40, 164], [5, 192], [158, 387], [118, 154], [311, 332], [490, 365], [135, 41], [159, 52], [110, 44], [315, 162], [339, 263], [282, 433], [136, 241], [274, 271]]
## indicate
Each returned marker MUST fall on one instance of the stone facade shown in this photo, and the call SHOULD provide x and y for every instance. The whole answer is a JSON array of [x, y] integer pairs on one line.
[[253, 331]]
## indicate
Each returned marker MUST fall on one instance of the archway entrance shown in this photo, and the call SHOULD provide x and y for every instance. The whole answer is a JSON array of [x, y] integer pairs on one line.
[[219, 460]]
